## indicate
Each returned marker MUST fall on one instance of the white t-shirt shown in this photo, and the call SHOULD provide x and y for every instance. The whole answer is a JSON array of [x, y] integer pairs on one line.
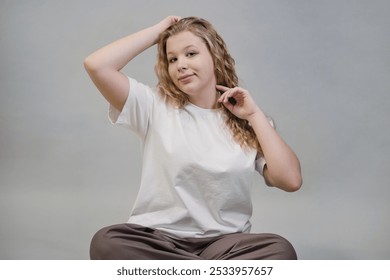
[[196, 180]]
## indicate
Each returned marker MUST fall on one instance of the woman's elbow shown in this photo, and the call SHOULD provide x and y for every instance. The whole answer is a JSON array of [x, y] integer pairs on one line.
[[294, 185], [89, 65], [293, 179], [290, 182]]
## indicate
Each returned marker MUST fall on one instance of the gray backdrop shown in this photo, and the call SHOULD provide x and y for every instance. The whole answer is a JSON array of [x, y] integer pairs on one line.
[[319, 68]]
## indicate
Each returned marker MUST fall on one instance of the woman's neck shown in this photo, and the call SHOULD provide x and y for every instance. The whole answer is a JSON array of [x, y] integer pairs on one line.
[[205, 100]]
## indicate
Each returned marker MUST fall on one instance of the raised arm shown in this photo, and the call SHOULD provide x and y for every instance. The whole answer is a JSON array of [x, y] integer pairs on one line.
[[105, 64]]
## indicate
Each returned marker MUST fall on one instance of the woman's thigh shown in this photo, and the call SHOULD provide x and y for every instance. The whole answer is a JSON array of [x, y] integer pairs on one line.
[[250, 246], [134, 242]]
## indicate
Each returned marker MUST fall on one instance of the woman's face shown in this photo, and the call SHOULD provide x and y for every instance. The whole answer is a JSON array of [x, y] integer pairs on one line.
[[191, 66]]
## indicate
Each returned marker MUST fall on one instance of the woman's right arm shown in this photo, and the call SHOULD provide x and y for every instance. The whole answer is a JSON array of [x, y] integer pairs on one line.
[[105, 64]]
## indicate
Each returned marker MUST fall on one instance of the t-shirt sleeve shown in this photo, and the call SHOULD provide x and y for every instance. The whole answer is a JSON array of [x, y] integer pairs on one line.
[[136, 112], [260, 163]]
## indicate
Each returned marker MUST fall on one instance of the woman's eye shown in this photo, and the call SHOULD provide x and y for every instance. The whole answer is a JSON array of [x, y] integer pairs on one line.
[[191, 54], [172, 60]]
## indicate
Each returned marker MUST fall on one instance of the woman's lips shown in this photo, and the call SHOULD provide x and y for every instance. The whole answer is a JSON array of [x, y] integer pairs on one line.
[[186, 78]]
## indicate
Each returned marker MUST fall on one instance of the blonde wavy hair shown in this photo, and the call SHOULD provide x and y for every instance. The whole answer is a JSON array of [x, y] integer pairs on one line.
[[225, 73]]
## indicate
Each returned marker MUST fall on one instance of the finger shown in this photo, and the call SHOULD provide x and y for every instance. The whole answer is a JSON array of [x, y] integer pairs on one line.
[[224, 95], [222, 88], [227, 98], [230, 94], [229, 104], [173, 19]]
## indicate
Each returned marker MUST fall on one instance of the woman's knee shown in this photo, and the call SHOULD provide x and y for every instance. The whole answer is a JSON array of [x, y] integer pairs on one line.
[[102, 245], [282, 248]]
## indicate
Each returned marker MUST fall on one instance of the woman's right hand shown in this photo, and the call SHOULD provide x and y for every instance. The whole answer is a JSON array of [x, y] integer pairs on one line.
[[167, 22]]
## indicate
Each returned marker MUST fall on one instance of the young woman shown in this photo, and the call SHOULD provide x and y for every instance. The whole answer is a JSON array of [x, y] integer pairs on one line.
[[203, 136]]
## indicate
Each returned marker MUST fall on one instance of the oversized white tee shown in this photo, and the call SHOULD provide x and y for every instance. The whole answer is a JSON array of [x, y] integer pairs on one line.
[[196, 180]]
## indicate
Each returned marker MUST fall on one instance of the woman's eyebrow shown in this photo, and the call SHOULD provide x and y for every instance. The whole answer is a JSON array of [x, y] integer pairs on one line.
[[184, 49]]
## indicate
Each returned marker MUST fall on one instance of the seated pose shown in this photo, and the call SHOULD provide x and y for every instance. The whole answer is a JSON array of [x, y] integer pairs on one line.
[[202, 138]]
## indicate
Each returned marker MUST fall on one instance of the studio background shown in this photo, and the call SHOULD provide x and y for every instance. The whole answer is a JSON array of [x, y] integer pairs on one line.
[[320, 68]]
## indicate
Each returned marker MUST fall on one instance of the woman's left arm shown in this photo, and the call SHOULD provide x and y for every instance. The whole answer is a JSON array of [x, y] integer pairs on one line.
[[283, 168]]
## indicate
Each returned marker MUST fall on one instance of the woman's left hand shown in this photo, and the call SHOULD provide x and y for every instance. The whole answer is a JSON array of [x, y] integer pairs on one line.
[[243, 105]]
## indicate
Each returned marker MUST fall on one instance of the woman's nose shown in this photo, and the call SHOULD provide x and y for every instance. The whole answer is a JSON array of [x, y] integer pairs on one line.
[[182, 64]]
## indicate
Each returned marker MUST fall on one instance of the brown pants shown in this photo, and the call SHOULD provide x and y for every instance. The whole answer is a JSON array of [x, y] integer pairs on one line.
[[135, 242]]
